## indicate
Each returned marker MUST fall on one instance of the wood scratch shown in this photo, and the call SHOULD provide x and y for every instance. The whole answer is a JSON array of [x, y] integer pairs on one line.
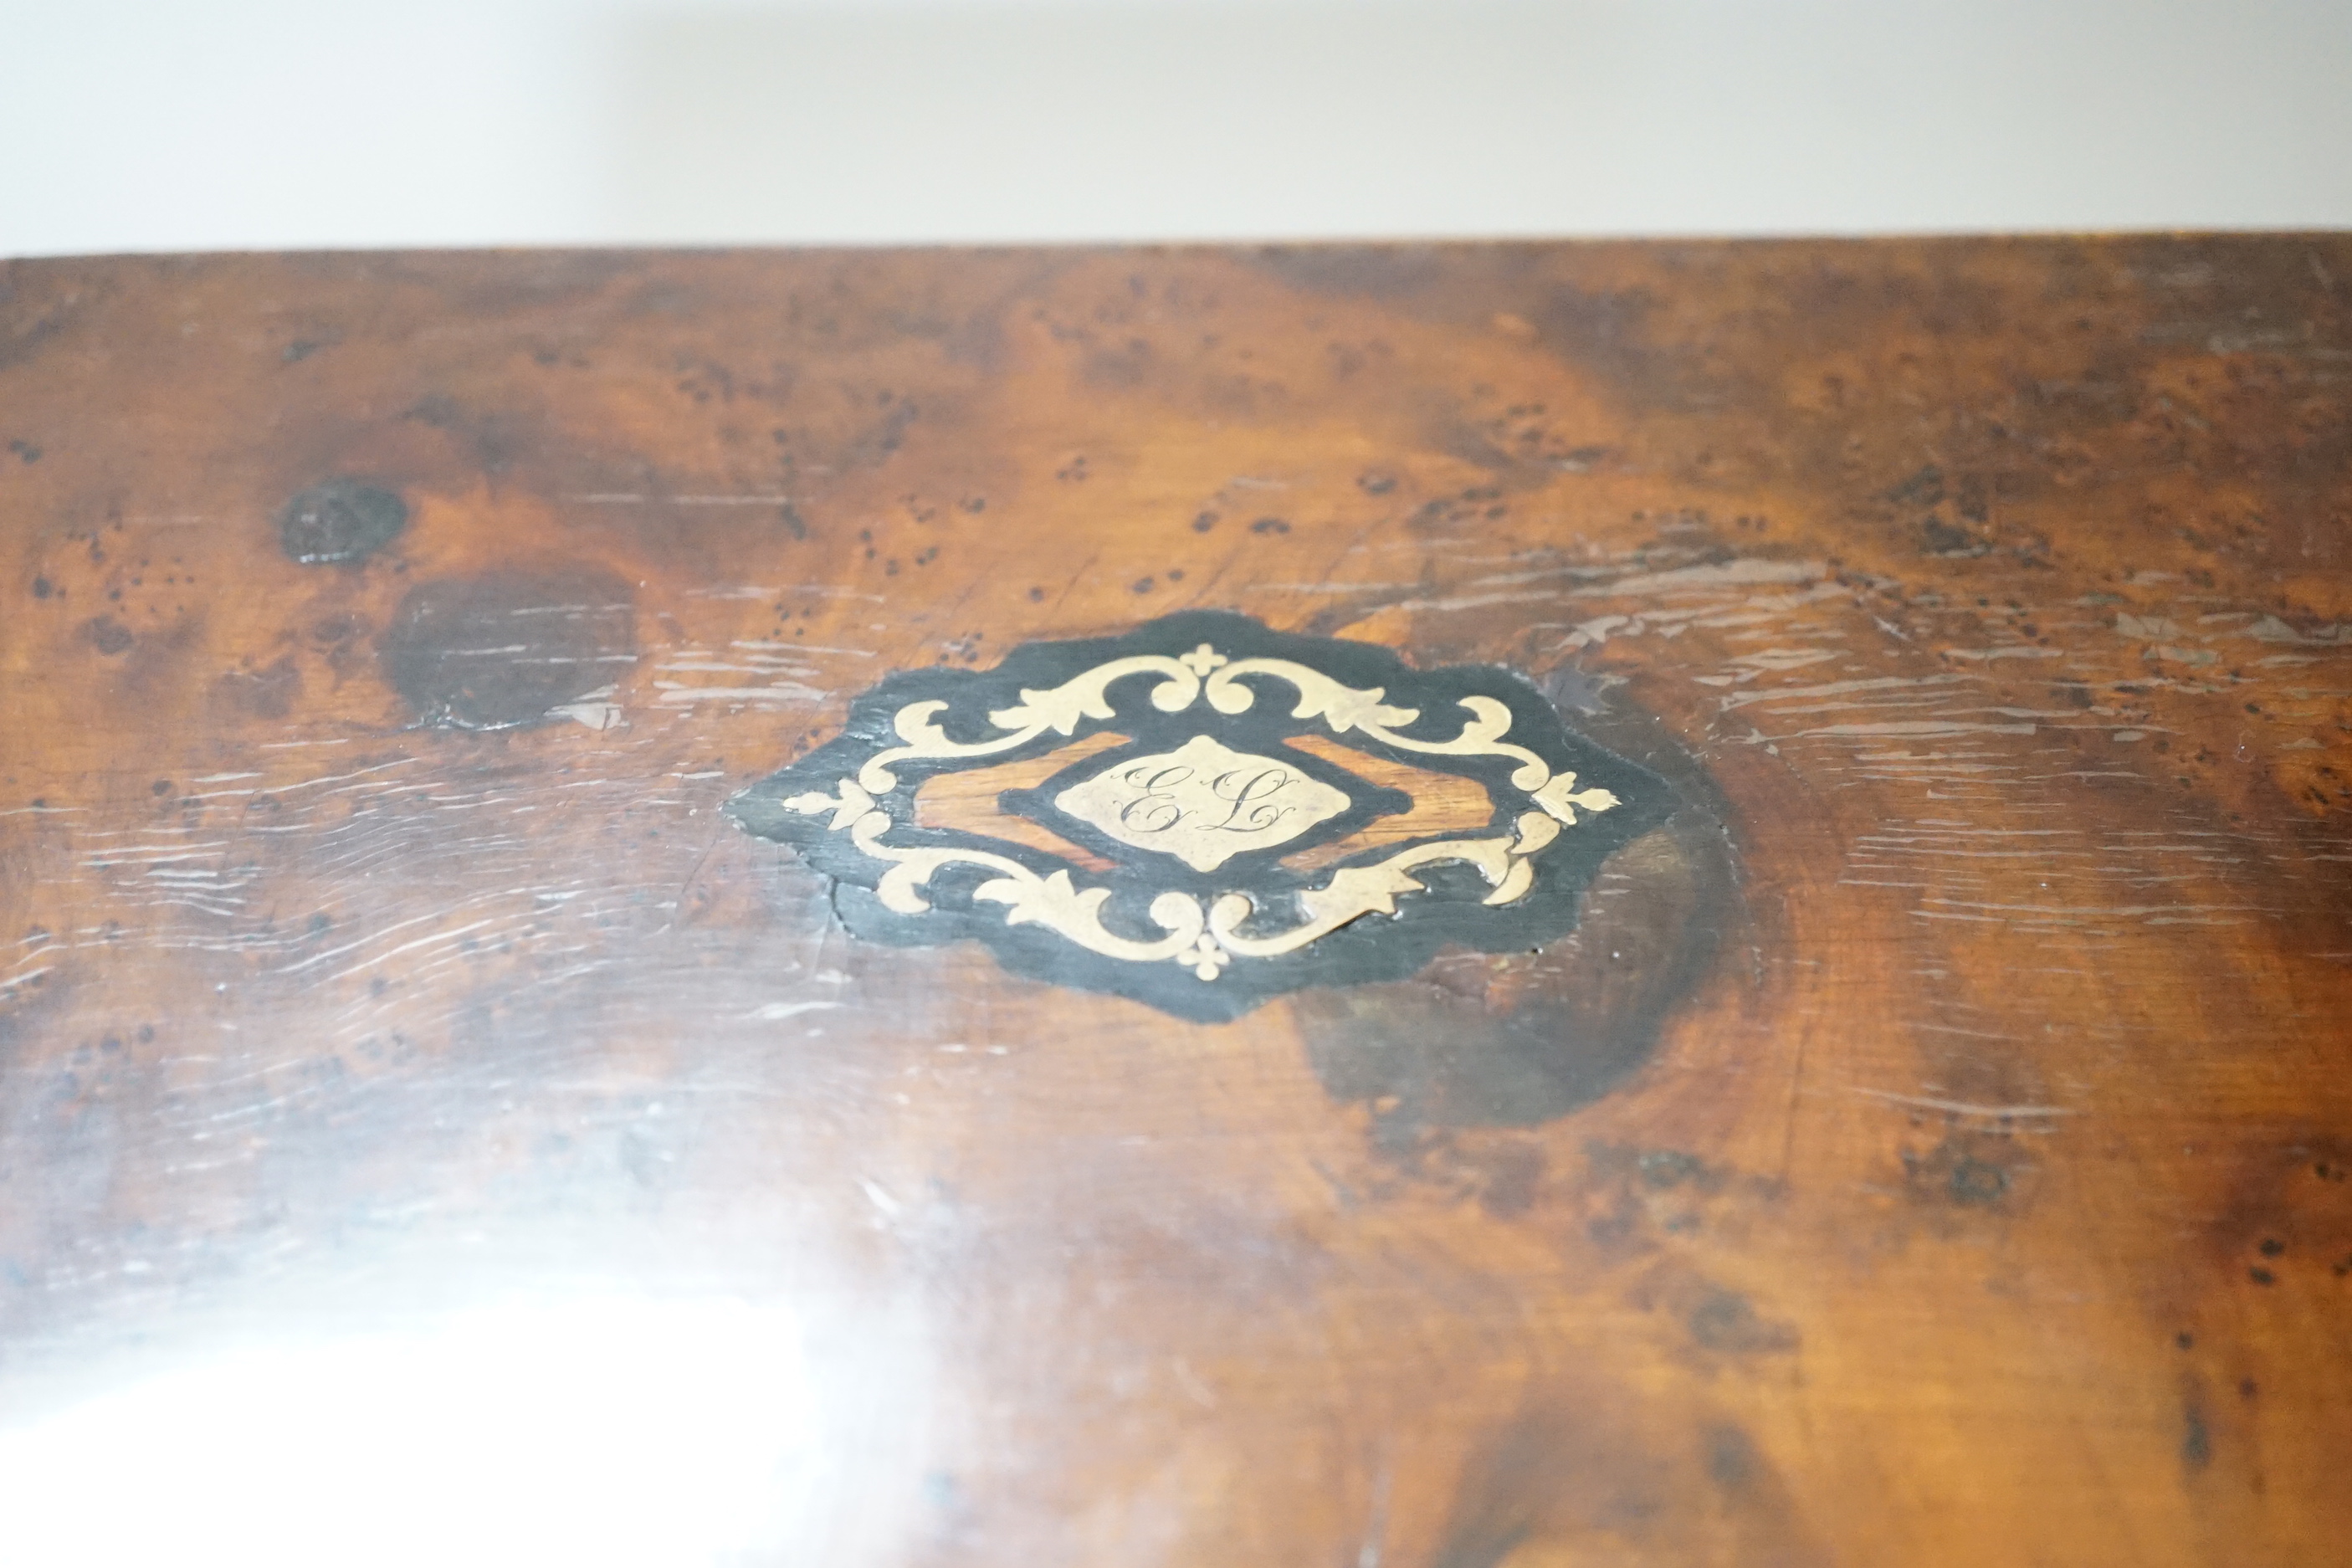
[[1961, 1107]]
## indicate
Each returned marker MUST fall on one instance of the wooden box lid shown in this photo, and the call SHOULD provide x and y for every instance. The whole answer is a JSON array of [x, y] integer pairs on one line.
[[1908, 1123]]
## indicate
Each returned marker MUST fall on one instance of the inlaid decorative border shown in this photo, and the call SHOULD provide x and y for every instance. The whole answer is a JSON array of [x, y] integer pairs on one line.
[[1209, 945]]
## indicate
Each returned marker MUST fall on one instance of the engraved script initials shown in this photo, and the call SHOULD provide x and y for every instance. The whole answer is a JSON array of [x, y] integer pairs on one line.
[[1202, 802], [1244, 789]]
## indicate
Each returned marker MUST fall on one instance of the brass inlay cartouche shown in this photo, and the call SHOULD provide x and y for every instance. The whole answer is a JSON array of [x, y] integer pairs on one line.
[[1205, 938]]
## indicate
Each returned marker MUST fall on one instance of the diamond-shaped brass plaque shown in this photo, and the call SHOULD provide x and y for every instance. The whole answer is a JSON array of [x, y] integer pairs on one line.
[[1202, 802]]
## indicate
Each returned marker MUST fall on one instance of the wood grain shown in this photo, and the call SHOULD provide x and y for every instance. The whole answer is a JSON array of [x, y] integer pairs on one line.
[[1930, 1150], [968, 801], [1441, 804]]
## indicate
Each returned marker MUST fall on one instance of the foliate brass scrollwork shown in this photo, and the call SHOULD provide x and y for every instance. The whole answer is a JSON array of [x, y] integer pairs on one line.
[[1052, 901], [1059, 710]]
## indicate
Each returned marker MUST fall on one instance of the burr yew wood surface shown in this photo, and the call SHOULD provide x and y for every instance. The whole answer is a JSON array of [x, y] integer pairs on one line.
[[1930, 1147]]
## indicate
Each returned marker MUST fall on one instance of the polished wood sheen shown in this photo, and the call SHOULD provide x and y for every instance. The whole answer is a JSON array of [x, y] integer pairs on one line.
[[1930, 1147]]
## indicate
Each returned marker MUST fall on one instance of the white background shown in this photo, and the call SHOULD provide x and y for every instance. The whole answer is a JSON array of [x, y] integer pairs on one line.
[[171, 124]]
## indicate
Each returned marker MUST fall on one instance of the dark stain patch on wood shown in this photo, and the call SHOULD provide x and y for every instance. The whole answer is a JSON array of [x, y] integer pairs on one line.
[[1732, 1461], [1518, 1039], [496, 439], [2288, 1212], [1966, 1168], [1586, 1474], [1727, 1320], [505, 648], [2195, 1440], [340, 523], [268, 693], [110, 636]]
